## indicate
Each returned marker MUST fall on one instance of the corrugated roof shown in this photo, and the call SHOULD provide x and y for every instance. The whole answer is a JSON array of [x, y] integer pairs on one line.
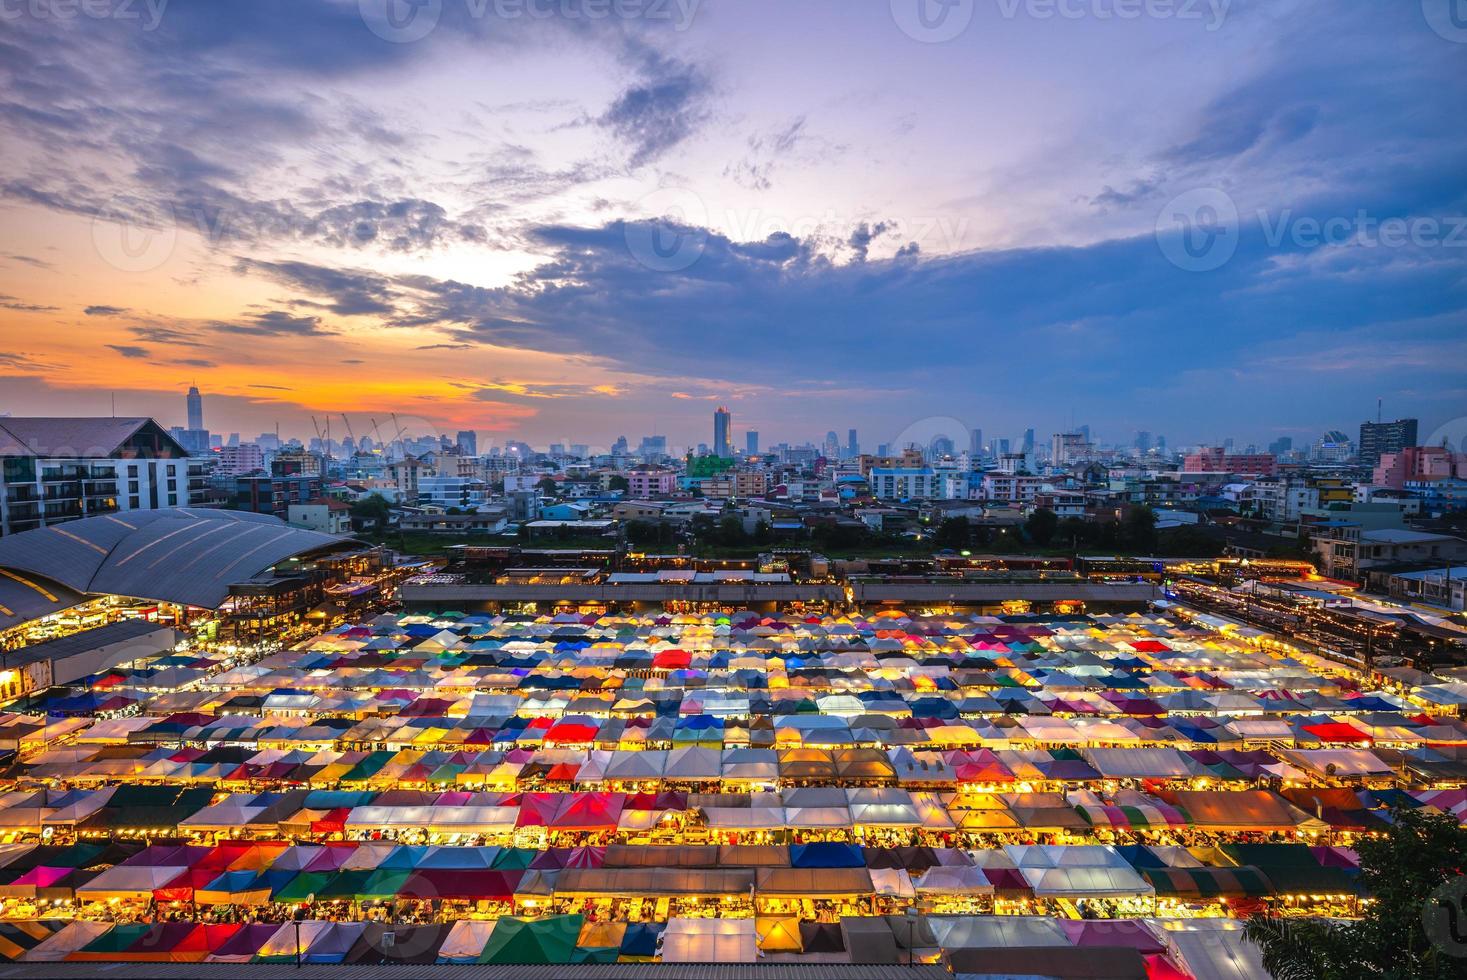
[[26, 597], [86, 641], [178, 555]]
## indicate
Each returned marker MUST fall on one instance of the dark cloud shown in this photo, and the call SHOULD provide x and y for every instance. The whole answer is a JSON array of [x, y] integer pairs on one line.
[[347, 293], [273, 323], [105, 310], [862, 237], [20, 306], [30, 260], [128, 350], [666, 105], [181, 335]]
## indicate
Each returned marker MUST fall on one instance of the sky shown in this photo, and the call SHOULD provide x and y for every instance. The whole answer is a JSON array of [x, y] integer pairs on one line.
[[570, 220]]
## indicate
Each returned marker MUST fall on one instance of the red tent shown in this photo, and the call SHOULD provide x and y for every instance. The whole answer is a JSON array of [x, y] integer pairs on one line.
[[589, 811]]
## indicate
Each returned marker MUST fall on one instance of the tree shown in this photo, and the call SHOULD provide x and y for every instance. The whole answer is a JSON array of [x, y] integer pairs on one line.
[[372, 509], [1400, 870], [618, 483], [952, 533], [1041, 526], [1138, 533], [547, 487]]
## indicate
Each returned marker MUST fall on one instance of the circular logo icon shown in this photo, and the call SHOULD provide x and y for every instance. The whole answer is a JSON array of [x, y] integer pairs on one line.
[[935, 435], [676, 234], [1198, 231], [932, 21], [1447, 17], [135, 235], [1444, 916], [1452, 434], [401, 21]]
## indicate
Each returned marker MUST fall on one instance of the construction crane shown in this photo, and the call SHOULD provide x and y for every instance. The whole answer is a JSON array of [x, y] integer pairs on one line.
[[350, 434]]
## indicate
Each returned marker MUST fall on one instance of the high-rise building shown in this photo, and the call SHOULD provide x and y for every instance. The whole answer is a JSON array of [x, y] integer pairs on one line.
[[975, 443], [1068, 447], [722, 423], [751, 442], [853, 448], [1143, 442], [1028, 444], [1377, 438], [195, 408], [1281, 446], [468, 443]]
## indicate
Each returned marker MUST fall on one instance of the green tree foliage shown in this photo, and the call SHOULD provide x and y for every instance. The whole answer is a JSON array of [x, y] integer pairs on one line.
[[618, 483], [1041, 526], [372, 509], [1399, 870]]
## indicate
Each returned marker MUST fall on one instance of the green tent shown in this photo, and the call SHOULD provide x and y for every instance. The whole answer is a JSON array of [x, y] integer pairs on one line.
[[514, 859], [344, 886], [598, 954], [303, 886], [548, 940], [384, 884], [117, 939]]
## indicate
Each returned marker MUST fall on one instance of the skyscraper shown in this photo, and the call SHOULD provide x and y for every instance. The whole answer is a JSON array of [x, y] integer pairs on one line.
[[722, 422], [195, 409], [1385, 437], [751, 442], [853, 448], [1028, 444], [975, 443], [468, 443]]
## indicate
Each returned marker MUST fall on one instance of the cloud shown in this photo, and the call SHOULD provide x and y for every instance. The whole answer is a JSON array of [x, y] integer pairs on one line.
[[273, 324], [180, 336], [755, 170], [11, 303], [346, 292], [445, 347], [105, 310], [665, 106], [128, 350]]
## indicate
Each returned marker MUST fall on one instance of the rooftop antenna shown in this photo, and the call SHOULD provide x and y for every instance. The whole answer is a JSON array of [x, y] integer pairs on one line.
[[1377, 411], [114, 404]]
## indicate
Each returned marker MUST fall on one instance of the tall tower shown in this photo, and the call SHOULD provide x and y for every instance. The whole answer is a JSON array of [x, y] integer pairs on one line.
[[722, 423], [195, 409]]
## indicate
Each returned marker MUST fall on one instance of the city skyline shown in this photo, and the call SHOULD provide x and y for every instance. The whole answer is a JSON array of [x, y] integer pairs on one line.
[[597, 227]]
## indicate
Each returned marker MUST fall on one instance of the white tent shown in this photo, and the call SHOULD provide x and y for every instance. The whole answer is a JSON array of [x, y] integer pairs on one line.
[[72, 937], [1213, 949], [710, 941]]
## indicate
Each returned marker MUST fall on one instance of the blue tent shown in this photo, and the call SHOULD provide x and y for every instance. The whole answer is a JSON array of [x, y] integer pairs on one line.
[[827, 854]]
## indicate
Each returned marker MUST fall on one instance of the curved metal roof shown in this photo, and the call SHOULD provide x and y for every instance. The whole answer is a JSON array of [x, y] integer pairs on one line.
[[26, 597], [179, 555]]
